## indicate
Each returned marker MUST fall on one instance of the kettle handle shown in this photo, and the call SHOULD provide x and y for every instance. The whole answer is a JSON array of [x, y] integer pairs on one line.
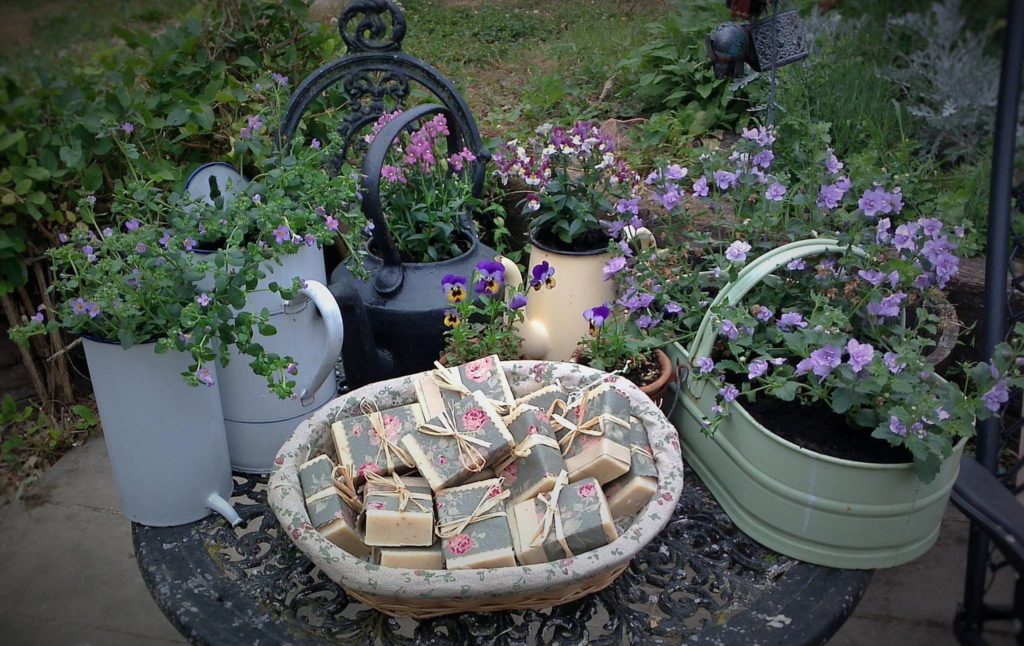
[[389, 279], [322, 298]]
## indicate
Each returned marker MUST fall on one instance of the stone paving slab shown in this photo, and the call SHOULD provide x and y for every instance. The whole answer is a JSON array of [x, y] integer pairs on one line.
[[68, 573]]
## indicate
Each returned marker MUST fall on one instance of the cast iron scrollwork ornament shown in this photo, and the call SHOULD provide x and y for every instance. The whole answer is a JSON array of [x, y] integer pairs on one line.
[[371, 33]]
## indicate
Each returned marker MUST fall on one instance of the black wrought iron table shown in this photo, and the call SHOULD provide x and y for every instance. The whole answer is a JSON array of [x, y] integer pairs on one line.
[[701, 581]]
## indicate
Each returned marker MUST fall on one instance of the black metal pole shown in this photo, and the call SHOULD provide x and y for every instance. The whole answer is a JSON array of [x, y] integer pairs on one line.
[[997, 264]]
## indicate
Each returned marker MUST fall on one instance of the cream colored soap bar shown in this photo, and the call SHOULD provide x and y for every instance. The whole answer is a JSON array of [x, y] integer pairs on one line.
[[413, 558], [603, 458], [628, 497], [333, 518], [389, 523], [583, 518], [477, 533]]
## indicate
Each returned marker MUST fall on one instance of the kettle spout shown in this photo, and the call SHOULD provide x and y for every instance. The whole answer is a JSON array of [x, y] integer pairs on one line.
[[364, 361]]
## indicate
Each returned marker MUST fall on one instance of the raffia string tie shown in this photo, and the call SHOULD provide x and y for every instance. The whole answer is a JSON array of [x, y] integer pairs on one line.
[[552, 516], [642, 450], [395, 488], [483, 511], [469, 454], [525, 448], [449, 379], [388, 451], [345, 484]]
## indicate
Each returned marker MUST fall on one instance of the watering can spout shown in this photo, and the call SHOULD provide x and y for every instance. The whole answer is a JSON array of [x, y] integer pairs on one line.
[[224, 508]]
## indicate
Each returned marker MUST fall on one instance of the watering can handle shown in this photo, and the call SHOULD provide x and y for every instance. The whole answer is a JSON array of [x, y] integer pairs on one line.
[[389, 279], [321, 297]]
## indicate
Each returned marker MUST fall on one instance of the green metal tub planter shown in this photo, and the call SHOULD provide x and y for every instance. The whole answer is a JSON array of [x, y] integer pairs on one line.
[[798, 502]]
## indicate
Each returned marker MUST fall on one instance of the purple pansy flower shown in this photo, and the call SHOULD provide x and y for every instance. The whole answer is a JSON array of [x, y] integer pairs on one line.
[[518, 302], [543, 275], [596, 316], [454, 287], [492, 277]]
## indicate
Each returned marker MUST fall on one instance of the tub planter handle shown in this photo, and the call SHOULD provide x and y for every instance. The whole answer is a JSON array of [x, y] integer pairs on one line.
[[756, 271]]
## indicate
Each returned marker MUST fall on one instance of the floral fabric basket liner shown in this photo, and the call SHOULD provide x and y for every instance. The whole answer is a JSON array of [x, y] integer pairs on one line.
[[313, 437]]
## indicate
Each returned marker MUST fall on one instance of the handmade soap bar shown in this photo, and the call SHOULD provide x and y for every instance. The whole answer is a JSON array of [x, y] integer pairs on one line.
[[414, 558], [443, 384], [473, 526], [536, 459], [628, 494], [465, 439], [594, 434], [315, 475], [370, 442], [398, 511], [550, 398], [568, 521], [329, 514]]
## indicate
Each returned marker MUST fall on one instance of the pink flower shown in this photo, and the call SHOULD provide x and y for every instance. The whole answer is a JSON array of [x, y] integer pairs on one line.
[[510, 473], [375, 505], [442, 460], [368, 467], [587, 490], [474, 419], [494, 491], [532, 430], [357, 431], [460, 544], [479, 370], [392, 425]]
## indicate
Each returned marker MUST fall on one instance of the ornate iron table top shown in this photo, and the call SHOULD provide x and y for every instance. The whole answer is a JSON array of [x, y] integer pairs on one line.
[[702, 580]]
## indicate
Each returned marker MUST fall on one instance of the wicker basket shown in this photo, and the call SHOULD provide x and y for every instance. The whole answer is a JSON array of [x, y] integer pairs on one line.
[[430, 593]]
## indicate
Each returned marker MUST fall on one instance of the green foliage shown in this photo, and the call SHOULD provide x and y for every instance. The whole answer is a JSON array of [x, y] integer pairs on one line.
[[484, 324], [30, 439], [670, 72], [180, 89]]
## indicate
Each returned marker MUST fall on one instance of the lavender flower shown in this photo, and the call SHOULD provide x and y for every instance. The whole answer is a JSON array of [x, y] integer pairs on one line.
[[737, 251], [292, 369], [128, 127], [393, 174], [891, 360], [282, 234], [257, 199], [874, 201], [996, 396], [78, 306], [896, 426], [796, 265], [628, 206], [204, 376], [189, 244], [764, 158], [140, 248], [331, 223], [756, 368], [832, 163], [775, 192], [887, 307], [894, 201], [729, 330], [821, 362], [724, 180], [705, 365], [700, 187], [882, 234], [614, 266], [861, 354], [762, 313], [633, 300], [673, 308], [645, 322], [790, 320], [165, 240], [873, 276], [132, 225], [905, 237], [315, 144], [729, 393], [280, 79], [204, 299], [829, 196]]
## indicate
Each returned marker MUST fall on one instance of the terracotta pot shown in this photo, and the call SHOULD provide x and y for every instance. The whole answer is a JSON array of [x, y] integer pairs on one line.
[[656, 389]]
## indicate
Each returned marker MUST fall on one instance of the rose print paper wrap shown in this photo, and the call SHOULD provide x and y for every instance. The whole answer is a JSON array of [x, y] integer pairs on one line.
[[594, 433], [536, 459], [465, 439], [550, 398], [371, 441], [473, 527], [628, 494], [445, 385], [315, 475], [397, 511], [336, 522], [569, 520]]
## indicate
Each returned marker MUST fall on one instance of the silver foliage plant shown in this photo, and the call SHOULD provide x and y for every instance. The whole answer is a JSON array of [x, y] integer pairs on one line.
[[951, 83]]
